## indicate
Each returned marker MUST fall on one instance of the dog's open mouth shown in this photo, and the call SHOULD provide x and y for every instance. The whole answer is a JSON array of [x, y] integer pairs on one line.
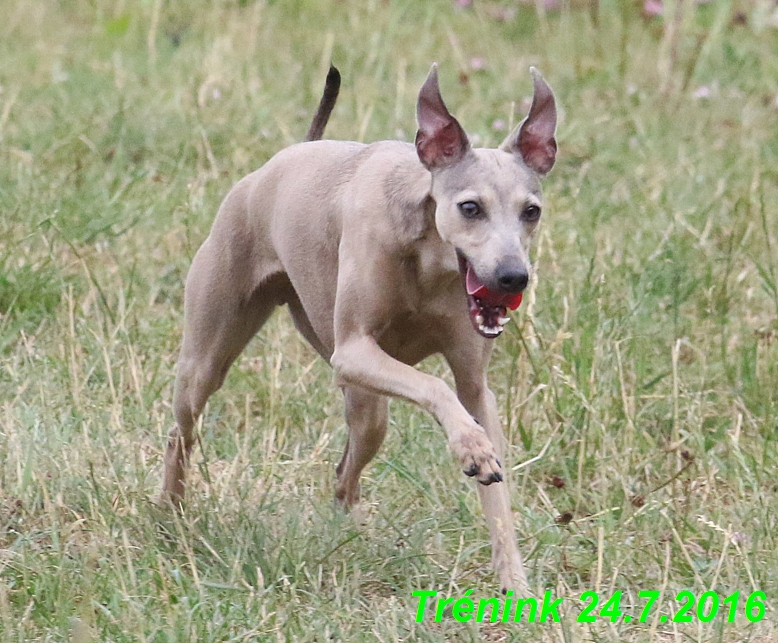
[[488, 309]]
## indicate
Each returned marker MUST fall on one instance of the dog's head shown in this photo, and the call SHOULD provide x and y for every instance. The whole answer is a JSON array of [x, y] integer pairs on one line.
[[488, 202]]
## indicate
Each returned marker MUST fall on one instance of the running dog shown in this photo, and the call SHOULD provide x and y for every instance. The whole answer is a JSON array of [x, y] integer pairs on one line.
[[385, 253]]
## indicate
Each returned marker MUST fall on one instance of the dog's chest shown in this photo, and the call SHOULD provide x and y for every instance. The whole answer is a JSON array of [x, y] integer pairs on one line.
[[430, 277], [427, 298]]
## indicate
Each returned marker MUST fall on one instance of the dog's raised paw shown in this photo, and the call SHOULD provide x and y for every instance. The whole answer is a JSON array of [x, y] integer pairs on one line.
[[476, 453]]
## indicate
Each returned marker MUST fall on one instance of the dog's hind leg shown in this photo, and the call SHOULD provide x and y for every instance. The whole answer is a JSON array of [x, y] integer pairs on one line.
[[367, 415], [220, 320]]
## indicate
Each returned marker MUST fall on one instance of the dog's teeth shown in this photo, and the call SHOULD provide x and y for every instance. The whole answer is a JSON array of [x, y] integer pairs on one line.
[[479, 319], [490, 330], [503, 320]]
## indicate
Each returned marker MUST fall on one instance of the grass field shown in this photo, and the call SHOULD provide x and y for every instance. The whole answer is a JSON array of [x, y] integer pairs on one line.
[[639, 382]]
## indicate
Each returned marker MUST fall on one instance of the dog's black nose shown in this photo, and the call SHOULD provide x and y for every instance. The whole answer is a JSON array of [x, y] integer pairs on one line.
[[512, 279]]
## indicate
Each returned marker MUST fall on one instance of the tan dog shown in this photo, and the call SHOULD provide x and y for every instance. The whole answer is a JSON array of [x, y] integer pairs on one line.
[[385, 254]]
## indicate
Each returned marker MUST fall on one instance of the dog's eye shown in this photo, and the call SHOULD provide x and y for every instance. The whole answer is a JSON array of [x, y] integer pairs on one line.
[[470, 210], [531, 213]]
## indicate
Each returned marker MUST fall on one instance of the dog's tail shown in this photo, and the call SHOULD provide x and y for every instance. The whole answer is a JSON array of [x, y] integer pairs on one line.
[[331, 89]]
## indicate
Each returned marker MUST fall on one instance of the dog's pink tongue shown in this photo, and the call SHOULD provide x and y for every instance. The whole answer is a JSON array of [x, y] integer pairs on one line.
[[476, 289]]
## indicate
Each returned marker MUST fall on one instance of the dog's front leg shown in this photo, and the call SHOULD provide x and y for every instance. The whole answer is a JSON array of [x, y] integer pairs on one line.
[[480, 401], [359, 361]]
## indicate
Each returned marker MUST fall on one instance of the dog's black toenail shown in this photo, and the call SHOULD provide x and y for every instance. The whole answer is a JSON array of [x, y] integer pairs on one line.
[[498, 463], [472, 471], [504, 591], [493, 477]]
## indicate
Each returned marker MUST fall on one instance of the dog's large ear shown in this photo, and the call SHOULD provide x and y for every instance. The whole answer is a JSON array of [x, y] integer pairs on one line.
[[440, 141], [533, 139]]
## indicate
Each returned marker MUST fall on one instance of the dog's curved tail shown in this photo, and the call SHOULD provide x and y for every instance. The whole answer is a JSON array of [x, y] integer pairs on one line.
[[331, 90]]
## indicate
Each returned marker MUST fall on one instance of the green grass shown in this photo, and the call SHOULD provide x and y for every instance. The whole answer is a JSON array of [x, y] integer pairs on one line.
[[642, 370]]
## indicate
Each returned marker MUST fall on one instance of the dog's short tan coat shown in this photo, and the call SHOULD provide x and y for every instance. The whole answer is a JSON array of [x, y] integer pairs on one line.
[[369, 246]]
